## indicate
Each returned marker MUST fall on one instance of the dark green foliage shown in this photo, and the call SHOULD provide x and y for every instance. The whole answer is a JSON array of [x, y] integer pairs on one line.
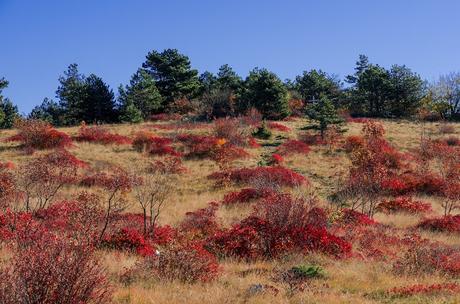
[[384, 93], [86, 99], [308, 271], [228, 79], [324, 113], [311, 85], [262, 132], [208, 82], [264, 91], [8, 111], [173, 75], [142, 94], [131, 114], [49, 111]]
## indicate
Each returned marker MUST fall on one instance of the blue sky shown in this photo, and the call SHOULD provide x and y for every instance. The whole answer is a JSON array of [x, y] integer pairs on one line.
[[39, 39]]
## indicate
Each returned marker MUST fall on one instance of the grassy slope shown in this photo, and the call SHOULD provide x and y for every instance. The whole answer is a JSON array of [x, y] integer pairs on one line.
[[347, 281]]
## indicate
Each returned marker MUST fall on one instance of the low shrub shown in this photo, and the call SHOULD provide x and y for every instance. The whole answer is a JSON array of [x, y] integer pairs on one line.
[[277, 126], [262, 132], [292, 147], [424, 289], [353, 218], [37, 134], [232, 130], [128, 239], [147, 142], [353, 142], [168, 165], [245, 196], [403, 204], [99, 134], [202, 222], [448, 223], [54, 270], [311, 139]]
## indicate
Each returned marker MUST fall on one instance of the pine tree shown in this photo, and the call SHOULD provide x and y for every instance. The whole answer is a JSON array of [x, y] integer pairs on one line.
[[324, 113]]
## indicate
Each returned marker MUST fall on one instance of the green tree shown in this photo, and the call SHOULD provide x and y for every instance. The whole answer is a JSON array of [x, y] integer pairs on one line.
[[264, 91], [323, 112], [86, 99], [208, 82], [407, 90], [361, 65], [142, 94], [8, 111], [173, 74], [131, 114], [228, 79], [312, 84], [49, 111]]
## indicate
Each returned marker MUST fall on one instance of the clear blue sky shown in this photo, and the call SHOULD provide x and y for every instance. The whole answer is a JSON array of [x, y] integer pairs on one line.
[[40, 38]]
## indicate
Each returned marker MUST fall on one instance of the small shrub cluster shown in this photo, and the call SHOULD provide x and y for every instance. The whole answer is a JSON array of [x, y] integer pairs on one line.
[[99, 134], [168, 165], [279, 127], [201, 223], [232, 130], [128, 239], [293, 147], [403, 204], [198, 146], [424, 289], [147, 142], [37, 134], [448, 223]]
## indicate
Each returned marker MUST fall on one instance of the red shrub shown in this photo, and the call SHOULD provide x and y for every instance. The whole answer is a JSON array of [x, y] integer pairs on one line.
[[417, 289], [101, 135], [280, 176], [279, 225], [276, 160], [245, 196], [232, 130], [199, 146], [278, 126], [8, 189], [354, 218], [187, 263], [448, 223], [201, 222], [169, 165], [37, 134], [293, 146], [163, 235], [253, 143], [353, 142], [147, 142], [53, 270], [128, 239], [403, 204]]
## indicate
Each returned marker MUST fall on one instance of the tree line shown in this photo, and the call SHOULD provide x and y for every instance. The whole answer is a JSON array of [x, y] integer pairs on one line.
[[167, 83]]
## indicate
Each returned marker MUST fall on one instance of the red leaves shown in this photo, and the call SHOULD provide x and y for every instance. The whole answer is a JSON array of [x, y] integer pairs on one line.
[[277, 126], [403, 204], [147, 142], [99, 134], [54, 270], [129, 239], [37, 134], [417, 289], [279, 176], [245, 196], [201, 222], [448, 223], [293, 146]]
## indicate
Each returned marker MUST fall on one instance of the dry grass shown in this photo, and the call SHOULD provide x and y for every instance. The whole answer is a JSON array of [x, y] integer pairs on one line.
[[347, 281]]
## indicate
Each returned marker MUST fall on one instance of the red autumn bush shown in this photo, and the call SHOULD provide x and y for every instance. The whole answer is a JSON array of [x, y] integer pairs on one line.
[[129, 239], [99, 134], [37, 134], [403, 204], [53, 270], [168, 165], [353, 142], [41, 178], [233, 130], [293, 146], [354, 218], [201, 222], [277, 126], [245, 196], [8, 189], [424, 289], [198, 146], [279, 224], [275, 160], [147, 142], [279, 176], [188, 263], [448, 223]]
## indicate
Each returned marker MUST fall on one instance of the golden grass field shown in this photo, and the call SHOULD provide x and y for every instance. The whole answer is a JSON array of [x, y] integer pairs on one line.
[[347, 281]]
